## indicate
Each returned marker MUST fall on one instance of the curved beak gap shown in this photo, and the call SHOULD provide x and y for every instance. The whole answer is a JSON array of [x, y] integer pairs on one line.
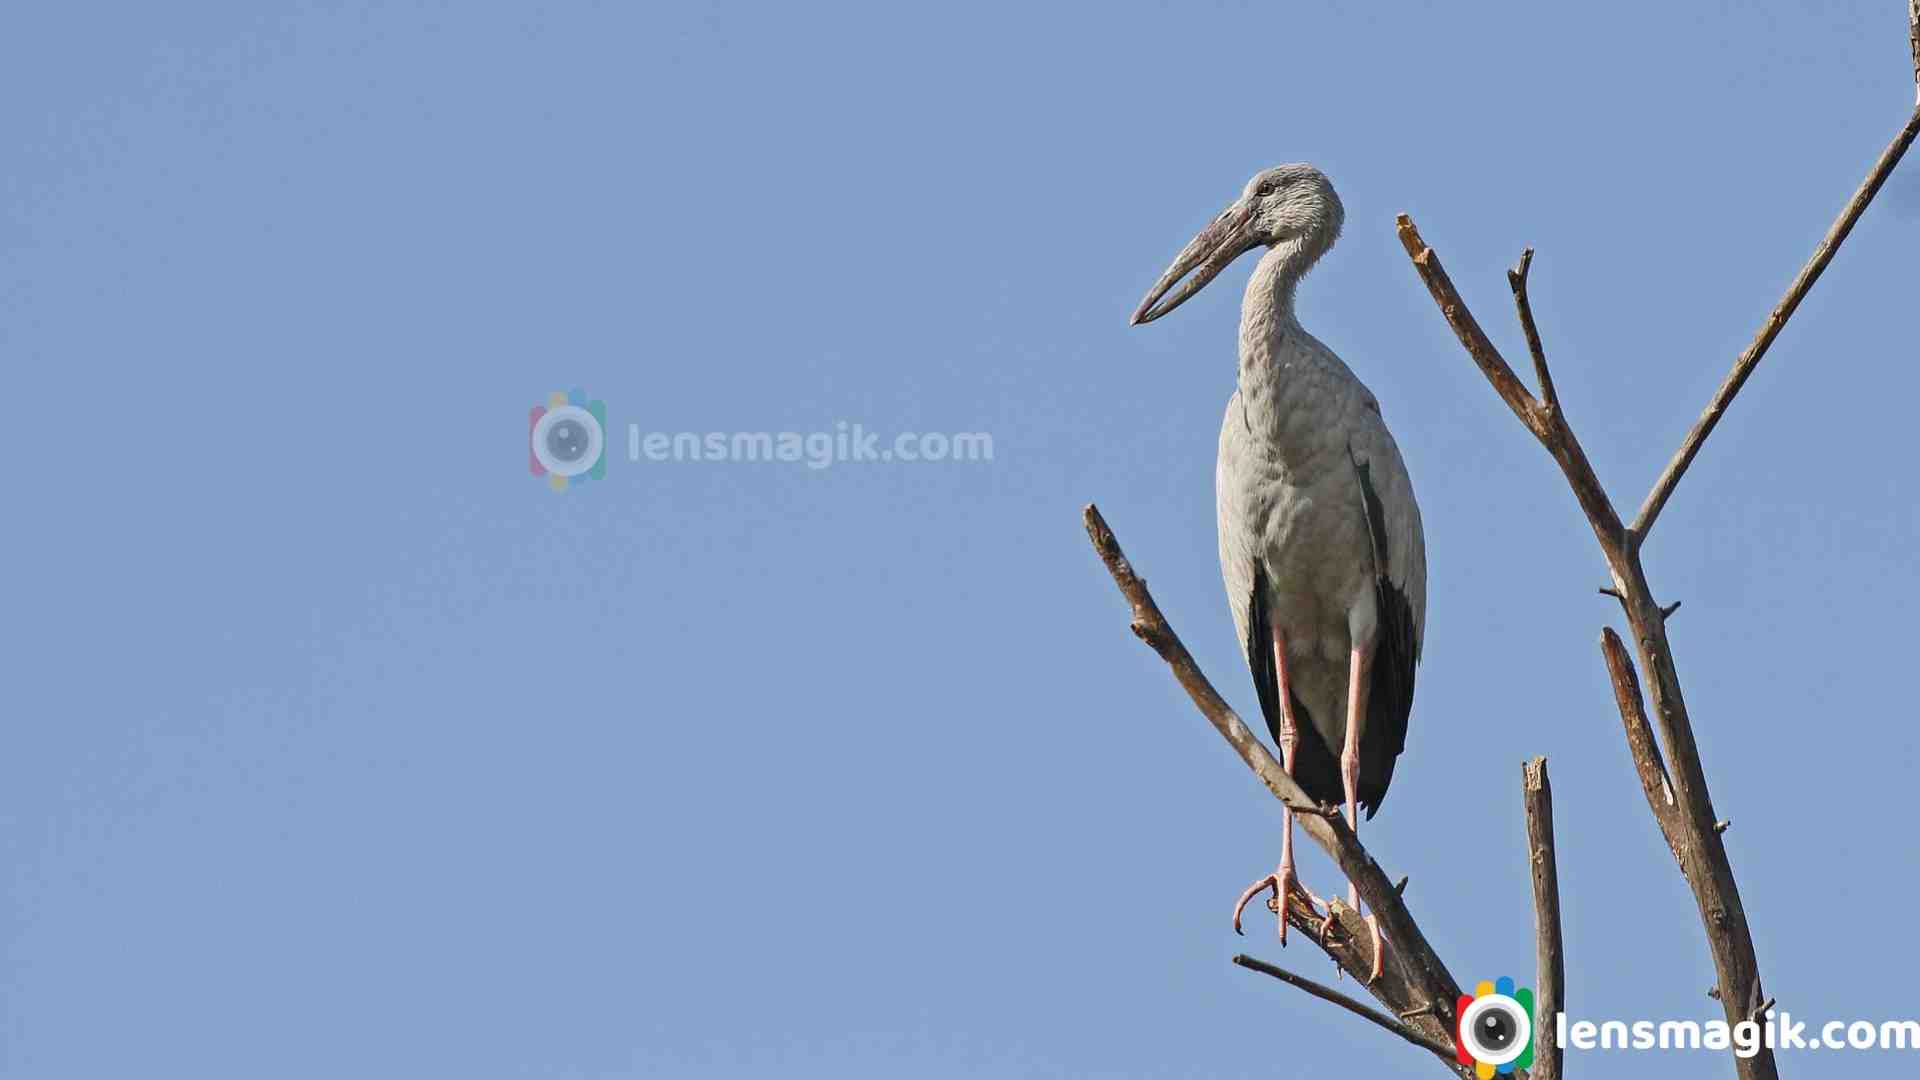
[[1226, 239]]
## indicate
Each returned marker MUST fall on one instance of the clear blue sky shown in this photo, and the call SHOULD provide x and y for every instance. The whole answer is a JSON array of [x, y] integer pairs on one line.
[[338, 745]]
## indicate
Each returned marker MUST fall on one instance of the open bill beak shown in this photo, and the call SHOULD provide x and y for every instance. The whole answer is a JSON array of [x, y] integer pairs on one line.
[[1221, 242]]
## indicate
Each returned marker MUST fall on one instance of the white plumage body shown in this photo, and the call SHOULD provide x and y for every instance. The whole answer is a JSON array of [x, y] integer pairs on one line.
[[1287, 494]]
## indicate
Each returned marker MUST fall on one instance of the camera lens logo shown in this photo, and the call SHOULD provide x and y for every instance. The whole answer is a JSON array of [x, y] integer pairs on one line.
[[567, 439], [1496, 1028]]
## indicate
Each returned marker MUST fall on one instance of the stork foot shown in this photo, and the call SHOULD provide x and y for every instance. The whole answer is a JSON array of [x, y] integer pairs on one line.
[[1283, 884]]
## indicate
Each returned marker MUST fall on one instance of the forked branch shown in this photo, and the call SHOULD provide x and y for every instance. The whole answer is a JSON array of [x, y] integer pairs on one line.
[[1549, 425], [1674, 781], [1708, 871]]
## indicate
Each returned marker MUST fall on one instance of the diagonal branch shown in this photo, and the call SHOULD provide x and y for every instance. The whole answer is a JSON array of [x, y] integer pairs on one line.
[[1802, 284], [1414, 981], [1550, 964], [1373, 1016]]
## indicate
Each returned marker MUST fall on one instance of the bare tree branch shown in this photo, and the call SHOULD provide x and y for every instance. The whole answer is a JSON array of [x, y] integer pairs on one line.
[[1373, 1016], [1413, 978], [1680, 801], [1517, 281], [1550, 964], [1467, 329], [1549, 425], [1704, 859], [1750, 359], [1646, 754]]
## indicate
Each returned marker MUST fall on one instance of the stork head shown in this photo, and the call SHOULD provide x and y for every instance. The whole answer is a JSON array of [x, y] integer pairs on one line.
[[1287, 204]]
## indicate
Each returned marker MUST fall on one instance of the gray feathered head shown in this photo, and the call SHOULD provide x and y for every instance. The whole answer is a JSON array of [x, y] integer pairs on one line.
[[1287, 204]]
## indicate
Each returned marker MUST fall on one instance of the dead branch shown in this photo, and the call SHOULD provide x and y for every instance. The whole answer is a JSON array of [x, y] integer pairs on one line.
[[1547, 425], [1550, 965], [1708, 872], [1373, 1016], [1640, 744], [1517, 281], [1414, 980], [1675, 785], [1776, 319]]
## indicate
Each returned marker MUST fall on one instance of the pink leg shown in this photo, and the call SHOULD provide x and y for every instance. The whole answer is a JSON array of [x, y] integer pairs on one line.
[[1282, 881], [1357, 673]]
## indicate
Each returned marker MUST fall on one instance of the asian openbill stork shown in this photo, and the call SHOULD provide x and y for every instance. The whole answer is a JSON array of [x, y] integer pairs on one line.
[[1320, 541]]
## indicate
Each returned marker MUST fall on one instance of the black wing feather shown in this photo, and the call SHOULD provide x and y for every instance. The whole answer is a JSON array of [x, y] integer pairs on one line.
[[1390, 688]]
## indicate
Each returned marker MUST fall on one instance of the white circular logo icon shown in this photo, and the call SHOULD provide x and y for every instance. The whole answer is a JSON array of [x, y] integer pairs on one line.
[[567, 441]]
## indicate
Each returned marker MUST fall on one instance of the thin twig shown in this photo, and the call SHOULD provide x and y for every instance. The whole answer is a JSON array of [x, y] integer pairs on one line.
[[1750, 359], [1371, 1015], [1517, 281], [1665, 611], [1549, 954]]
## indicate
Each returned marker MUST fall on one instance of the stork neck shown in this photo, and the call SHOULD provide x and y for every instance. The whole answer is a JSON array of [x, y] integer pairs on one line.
[[1266, 314]]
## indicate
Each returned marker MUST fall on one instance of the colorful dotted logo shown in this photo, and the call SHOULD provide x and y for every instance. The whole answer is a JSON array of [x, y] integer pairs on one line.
[[1496, 1028], [567, 439]]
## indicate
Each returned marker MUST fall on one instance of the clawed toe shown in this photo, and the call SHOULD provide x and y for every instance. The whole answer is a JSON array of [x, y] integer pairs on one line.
[[1282, 886], [1271, 881]]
